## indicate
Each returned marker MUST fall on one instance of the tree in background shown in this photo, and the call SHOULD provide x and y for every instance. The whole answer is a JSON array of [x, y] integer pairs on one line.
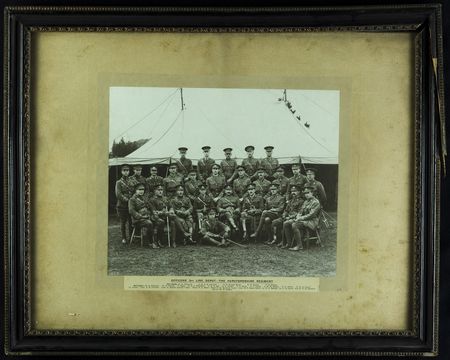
[[123, 148]]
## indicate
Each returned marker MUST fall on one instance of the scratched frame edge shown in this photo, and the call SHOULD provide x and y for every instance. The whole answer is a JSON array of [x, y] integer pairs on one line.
[[17, 152]]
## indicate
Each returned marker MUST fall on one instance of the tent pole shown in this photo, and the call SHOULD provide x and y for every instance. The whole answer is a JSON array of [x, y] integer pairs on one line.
[[182, 101]]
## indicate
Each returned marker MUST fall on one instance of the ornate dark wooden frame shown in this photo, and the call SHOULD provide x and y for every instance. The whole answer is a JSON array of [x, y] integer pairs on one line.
[[423, 20]]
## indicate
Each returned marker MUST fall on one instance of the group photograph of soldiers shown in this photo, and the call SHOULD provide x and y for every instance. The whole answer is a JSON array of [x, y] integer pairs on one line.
[[222, 204], [222, 181]]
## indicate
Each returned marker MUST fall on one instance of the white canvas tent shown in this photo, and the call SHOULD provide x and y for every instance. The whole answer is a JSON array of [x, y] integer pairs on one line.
[[235, 118]]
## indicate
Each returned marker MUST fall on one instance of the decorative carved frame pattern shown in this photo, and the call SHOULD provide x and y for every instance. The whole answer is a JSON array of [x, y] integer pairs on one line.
[[429, 123]]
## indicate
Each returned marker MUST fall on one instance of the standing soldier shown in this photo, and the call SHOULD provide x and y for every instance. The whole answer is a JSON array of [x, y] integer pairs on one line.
[[262, 185], [307, 218], [213, 230], [252, 208], [228, 166], [251, 165], [273, 210], [298, 179], [141, 214], [319, 190], [154, 180], [204, 166], [242, 182], [215, 183], [281, 180], [124, 191], [289, 214], [202, 203], [172, 181], [269, 164], [184, 165], [228, 207], [137, 177], [191, 185], [160, 206], [180, 213]]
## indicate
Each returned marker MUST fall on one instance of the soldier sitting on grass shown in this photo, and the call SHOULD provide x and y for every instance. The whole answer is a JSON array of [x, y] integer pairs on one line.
[[214, 231]]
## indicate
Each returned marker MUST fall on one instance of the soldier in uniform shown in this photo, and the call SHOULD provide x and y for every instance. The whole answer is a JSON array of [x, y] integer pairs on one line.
[[124, 191], [285, 222], [281, 180], [251, 165], [180, 213], [269, 164], [252, 208], [241, 183], [228, 166], [160, 206], [215, 183], [184, 165], [262, 185], [297, 179], [204, 165], [172, 181], [137, 178], [273, 210], [229, 208], [213, 230], [191, 185], [154, 180], [319, 190], [307, 218], [202, 203], [141, 213]]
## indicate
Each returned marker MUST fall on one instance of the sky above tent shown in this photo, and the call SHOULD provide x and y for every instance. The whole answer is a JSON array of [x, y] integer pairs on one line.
[[226, 118]]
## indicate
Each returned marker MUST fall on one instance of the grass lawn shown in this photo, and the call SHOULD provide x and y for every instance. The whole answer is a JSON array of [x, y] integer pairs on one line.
[[256, 260]]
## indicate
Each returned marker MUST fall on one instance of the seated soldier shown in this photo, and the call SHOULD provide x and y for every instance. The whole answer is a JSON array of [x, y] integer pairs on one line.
[[241, 183], [141, 213], [213, 230], [215, 183], [262, 185], [252, 207], [160, 206], [307, 218], [201, 204], [228, 207], [273, 210], [180, 213], [172, 181], [285, 222]]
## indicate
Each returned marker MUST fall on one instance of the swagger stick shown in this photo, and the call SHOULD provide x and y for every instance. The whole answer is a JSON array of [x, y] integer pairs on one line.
[[233, 242], [198, 213], [168, 228]]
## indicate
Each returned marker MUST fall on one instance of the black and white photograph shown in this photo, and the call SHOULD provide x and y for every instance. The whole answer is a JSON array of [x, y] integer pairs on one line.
[[223, 182]]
